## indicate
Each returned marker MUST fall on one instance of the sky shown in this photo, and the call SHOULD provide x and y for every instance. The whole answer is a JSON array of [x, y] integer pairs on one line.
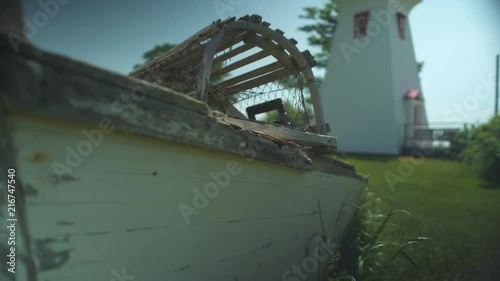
[[456, 39]]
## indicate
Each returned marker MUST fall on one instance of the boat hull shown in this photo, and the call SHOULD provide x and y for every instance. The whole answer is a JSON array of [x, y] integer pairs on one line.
[[121, 204]]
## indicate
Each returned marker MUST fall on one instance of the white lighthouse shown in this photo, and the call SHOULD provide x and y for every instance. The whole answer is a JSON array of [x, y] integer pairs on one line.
[[371, 94]]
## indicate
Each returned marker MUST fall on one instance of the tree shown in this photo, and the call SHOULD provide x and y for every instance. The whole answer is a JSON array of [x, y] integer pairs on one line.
[[295, 116], [159, 50], [482, 149], [154, 53], [322, 30]]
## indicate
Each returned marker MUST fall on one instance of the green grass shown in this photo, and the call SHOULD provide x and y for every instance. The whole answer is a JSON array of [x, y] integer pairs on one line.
[[448, 202]]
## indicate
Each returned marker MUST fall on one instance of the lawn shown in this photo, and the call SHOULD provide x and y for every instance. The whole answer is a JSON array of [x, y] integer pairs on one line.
[[448, 202]]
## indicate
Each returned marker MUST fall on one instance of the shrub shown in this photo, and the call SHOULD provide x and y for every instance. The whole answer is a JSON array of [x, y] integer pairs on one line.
[[482, 149]]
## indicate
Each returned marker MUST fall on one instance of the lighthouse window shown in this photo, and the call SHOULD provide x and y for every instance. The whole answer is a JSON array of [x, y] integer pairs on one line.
[[360, 24], [401, 25]]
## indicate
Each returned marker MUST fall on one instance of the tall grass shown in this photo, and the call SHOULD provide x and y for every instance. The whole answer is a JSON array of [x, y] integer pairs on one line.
[[368, 252]]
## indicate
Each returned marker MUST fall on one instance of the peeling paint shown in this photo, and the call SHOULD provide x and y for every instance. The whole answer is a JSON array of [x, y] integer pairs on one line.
[[62, 178], [62, 223], [47, 257], [96, 233], [145, 228], [182, 268], [38, 157]]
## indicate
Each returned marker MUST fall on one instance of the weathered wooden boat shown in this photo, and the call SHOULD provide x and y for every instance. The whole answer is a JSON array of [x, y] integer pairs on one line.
[[109, 177]]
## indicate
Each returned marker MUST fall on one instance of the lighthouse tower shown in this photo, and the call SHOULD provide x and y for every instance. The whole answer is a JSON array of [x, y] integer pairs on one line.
[[371, 93]]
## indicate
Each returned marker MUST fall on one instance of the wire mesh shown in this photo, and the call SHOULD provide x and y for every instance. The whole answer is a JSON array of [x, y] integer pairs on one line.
[[289, 89], [183, 76]]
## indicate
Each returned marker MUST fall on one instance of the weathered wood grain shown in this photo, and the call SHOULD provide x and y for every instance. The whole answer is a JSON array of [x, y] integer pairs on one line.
[[181, 119], [285, 133], [206, 65], [251, 74]]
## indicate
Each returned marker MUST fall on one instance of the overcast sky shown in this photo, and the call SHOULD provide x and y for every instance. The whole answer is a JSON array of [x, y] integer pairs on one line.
[[457, 39]]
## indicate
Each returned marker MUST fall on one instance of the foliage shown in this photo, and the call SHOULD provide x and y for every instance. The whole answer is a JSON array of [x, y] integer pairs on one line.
[[154, 53], [446, 202], [482, 149], [322, 30], [375, 254], [159, 50], [295, 117]]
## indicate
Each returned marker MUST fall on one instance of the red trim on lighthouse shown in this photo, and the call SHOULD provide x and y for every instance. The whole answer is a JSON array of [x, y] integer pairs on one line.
[[361, 24], [413, 94], [401, 25]]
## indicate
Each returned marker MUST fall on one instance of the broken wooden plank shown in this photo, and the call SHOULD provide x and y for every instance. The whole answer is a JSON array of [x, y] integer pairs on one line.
[[282, 132]]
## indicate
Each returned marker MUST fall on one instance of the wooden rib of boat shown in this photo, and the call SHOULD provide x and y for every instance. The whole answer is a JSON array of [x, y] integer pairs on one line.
[[117, 178]]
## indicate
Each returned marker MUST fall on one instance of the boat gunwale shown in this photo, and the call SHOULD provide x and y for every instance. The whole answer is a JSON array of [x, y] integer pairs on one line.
[[51, 95]]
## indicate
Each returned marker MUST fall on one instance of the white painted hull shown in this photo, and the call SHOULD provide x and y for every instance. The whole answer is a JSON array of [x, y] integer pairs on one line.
[[111, 211], [119, 209]]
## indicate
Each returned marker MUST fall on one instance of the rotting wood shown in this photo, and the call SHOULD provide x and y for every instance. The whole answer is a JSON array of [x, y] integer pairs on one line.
[[196, 55], [251, 30], [301, 61], [91, 100], [206, 65], [308, 139]]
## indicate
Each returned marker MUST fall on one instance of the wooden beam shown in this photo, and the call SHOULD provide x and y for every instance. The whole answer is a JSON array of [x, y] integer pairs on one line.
[[248, 60], [93, 94], [286, 133], [192, 58], [273, 76], [298, 57], [275, 50], [206, 65], [202, 35], [268, 48], [251, 74], [234, 52]]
